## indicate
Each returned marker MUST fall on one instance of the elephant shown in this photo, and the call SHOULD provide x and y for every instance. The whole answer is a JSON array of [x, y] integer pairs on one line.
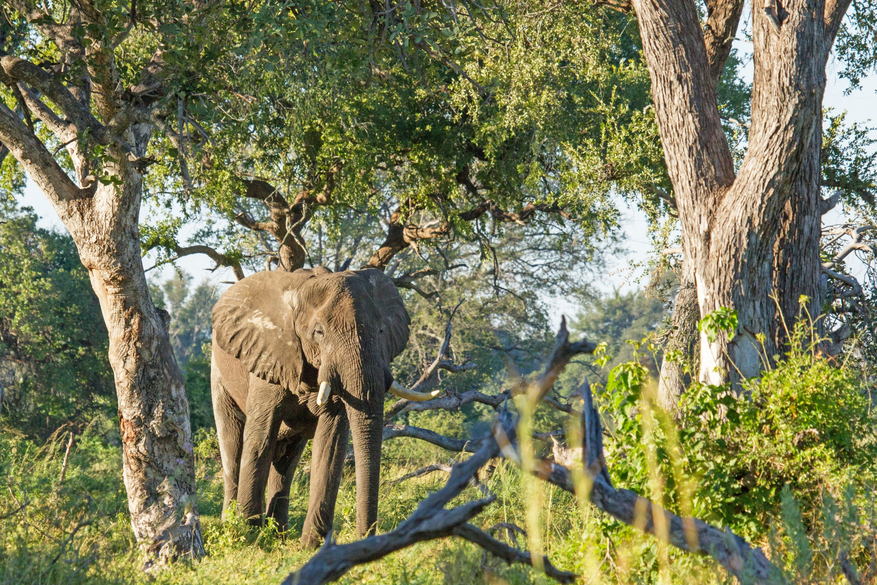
[[305, 355]]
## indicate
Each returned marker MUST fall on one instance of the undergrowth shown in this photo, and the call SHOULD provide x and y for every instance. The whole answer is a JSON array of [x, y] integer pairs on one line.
[[786, 461]]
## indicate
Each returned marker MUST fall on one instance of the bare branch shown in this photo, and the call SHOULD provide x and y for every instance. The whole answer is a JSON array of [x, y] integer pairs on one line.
[[447, 402], [851, 281], [429, 379], [509, 554], [733, 553], [422, 471], [36, 159], [248, 222], [827, 205], [719, 31], [455, 445], [445, 467], [63, 130], [218, 257], [834, 12], [563, 352], [66, 458], [17, 69], [429, 521]]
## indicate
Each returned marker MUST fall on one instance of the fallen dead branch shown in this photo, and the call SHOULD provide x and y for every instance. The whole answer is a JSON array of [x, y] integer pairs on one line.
[[422, 471], [738, 557], [450, 401], [446, 468], [431, 520], [508, 553], [429, 380], [456, 445]]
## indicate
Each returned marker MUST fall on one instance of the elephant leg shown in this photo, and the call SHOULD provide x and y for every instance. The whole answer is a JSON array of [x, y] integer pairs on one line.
[[230, 434], [327, 463], [260, 440], [286, 457]]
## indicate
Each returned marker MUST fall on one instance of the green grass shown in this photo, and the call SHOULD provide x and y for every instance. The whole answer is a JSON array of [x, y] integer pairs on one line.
[[42, 544], [790, 465]]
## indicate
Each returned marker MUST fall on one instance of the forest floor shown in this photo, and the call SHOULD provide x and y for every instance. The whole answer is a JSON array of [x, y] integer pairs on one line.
[[79, 532]]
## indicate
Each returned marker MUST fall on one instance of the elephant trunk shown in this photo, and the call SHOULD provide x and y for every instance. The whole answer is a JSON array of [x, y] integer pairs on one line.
[[365, 414], [367, 432]]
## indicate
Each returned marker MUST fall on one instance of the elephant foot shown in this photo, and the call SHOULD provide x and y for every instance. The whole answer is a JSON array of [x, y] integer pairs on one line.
[[256, 521], [311, 540]]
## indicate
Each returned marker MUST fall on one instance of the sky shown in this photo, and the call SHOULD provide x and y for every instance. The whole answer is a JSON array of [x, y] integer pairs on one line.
[[860, 106]]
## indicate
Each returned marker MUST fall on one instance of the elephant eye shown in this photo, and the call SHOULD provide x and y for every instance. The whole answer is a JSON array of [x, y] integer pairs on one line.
[[318, 333]]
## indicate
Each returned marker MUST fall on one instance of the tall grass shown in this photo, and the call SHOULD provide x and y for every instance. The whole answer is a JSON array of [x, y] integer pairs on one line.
[[787, 462]]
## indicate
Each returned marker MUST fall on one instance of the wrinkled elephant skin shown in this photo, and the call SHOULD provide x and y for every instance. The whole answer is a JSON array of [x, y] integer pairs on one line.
[[298, 356]]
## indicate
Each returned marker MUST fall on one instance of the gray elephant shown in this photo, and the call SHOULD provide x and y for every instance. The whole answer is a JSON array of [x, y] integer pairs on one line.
[[297, 356]]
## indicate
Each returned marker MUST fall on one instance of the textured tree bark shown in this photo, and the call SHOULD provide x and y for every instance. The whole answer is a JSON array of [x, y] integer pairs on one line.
[[158, 466], [789, 81], [683, 340], [723, 17], [756, 234]]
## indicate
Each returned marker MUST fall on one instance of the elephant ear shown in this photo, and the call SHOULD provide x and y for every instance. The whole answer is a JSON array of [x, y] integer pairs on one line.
[[253, 322], [392, 309]]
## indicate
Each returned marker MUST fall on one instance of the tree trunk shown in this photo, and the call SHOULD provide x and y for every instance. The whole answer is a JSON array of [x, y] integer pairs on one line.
[[797, 262], [772, 195], [158, 463], [683, 341], [755, 235]]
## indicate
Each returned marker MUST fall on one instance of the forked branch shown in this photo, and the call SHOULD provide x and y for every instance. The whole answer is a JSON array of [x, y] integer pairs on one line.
[[737, 556], [428, 381], [431, 520]]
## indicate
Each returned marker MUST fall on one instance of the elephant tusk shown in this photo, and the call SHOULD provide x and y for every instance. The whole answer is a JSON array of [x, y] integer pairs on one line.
[[323, 394], [403, 392]]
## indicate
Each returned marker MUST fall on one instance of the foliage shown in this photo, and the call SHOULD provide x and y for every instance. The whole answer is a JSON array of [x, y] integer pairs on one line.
[[53, 344], [746, 460], [805, 425], [722, 320], [617, 318]]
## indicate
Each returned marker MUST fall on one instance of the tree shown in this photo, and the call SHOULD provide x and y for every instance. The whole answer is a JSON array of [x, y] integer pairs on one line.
[[751, 233], [86, 85], [53, 345], [421, 122]]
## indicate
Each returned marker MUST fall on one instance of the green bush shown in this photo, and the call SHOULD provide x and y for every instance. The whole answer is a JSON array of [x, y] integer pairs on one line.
[[805, 425]]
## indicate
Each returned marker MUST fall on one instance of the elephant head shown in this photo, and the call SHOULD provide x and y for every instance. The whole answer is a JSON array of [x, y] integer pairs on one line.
[[329, 338]]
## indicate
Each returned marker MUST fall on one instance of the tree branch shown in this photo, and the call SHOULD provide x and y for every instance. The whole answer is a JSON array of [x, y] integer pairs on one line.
[[429, 521], [16, 69], [509, 554], [834, 14], [218, 257], [39, 163], [455, 445], [733, 553], [422, 471], [718, 32], [446, 402]]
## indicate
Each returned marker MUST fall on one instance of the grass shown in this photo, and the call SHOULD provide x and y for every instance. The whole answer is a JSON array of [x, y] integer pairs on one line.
[[79, 532]]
